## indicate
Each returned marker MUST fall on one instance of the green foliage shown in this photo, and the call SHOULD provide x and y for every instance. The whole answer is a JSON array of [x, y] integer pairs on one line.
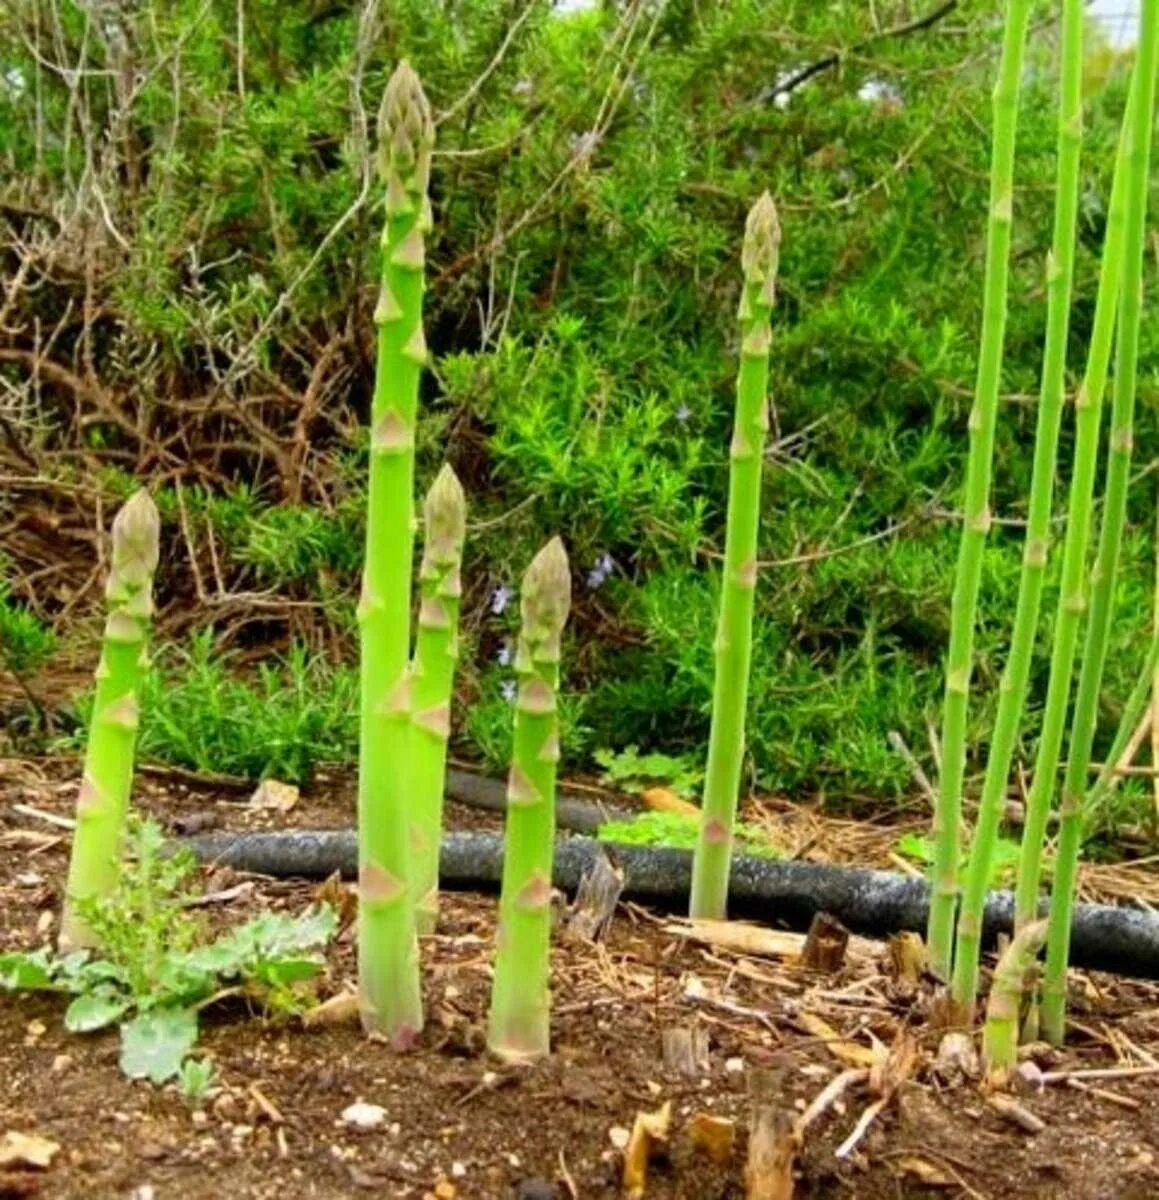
[[1004, 862], [677, 831], [278, 720], [631, 771], [157, 968], [583, 363], [26, 643]]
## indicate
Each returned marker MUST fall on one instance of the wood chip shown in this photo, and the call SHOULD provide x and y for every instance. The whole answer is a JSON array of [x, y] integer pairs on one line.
[[773, 1141], [713, 1136], [648, 1131], [660, 799], [590, 916], [27, 1150], [685, 1051], [825, 944], [1015, 1113], [850, 1053], [925, 1172]]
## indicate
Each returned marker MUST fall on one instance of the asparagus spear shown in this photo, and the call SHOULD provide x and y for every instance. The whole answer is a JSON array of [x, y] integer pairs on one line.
[[103, 804], [388, 972], [519, 1027], [1012, 695], [432, 680], [759, 260], [1139, 121], [983, 418]]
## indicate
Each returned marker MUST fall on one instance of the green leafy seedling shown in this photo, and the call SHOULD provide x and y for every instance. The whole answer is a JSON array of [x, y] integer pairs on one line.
[[158, 969], [631, 771], [679, 832], [196, 1080]]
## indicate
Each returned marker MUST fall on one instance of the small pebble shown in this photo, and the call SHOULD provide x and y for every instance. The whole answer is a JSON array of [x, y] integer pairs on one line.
[[536, 1189], [734, 1066], [458, 1170], [364, 1116], [619, 1136]]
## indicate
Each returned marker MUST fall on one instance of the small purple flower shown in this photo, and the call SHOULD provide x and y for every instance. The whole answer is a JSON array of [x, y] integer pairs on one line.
[[500, 598], [598, 575], [683, 413], [507, 690], [503, 656]]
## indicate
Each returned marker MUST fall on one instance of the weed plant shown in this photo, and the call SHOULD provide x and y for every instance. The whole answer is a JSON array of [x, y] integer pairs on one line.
[[158, 967]]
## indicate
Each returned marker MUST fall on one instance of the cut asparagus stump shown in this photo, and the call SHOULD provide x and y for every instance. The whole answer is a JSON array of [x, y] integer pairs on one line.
[[432, 681], [733, 648], [103, 805], [388, 971], [519, 1027]]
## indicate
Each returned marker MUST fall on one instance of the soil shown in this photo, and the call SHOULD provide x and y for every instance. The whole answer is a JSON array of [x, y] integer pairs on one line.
[[459, 1125]]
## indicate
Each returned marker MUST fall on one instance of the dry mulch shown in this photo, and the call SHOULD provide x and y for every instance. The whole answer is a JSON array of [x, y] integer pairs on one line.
[[826, 1051]]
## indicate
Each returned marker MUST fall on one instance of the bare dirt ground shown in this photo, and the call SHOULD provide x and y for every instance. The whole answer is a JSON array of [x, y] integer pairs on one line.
[[829, 1051]]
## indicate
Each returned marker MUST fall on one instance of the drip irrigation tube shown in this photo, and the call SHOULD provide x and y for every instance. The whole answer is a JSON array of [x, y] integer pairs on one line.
[[1105, 938]]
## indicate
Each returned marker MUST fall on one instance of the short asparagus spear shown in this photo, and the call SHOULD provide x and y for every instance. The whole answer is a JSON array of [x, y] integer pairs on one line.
[[1012, 695], [388, 971], [759, 260], [1000, 1034], [983, 418], [519, 1028], [103, 804], [1138, 154], [432, 681]]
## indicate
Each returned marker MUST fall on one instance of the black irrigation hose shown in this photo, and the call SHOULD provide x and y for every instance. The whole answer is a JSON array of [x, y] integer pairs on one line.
[[1105, 938], [572, 811]]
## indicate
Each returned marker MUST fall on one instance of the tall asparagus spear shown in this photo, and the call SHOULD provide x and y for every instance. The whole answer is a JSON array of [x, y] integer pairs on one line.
[[519, 1027], [1012, 695], [976, 525], [759, 260], [1072, 604], [388, 972], [103, 803], [1140, 119], [432, 680]]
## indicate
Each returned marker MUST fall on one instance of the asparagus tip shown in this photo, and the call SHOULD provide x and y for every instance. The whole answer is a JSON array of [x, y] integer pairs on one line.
[[406, 130], [547, 589], [137, 537], [445, 514], [762, 242]]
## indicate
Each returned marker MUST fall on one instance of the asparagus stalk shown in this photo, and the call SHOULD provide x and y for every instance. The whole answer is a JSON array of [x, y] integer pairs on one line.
[[1072, 602], [1000, 1034], [519, 1027], [390, 999], [103, 804], [1129, 720], [759, 260], [1138, 153], [432, 680], [976, 523], [1012, 695]]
